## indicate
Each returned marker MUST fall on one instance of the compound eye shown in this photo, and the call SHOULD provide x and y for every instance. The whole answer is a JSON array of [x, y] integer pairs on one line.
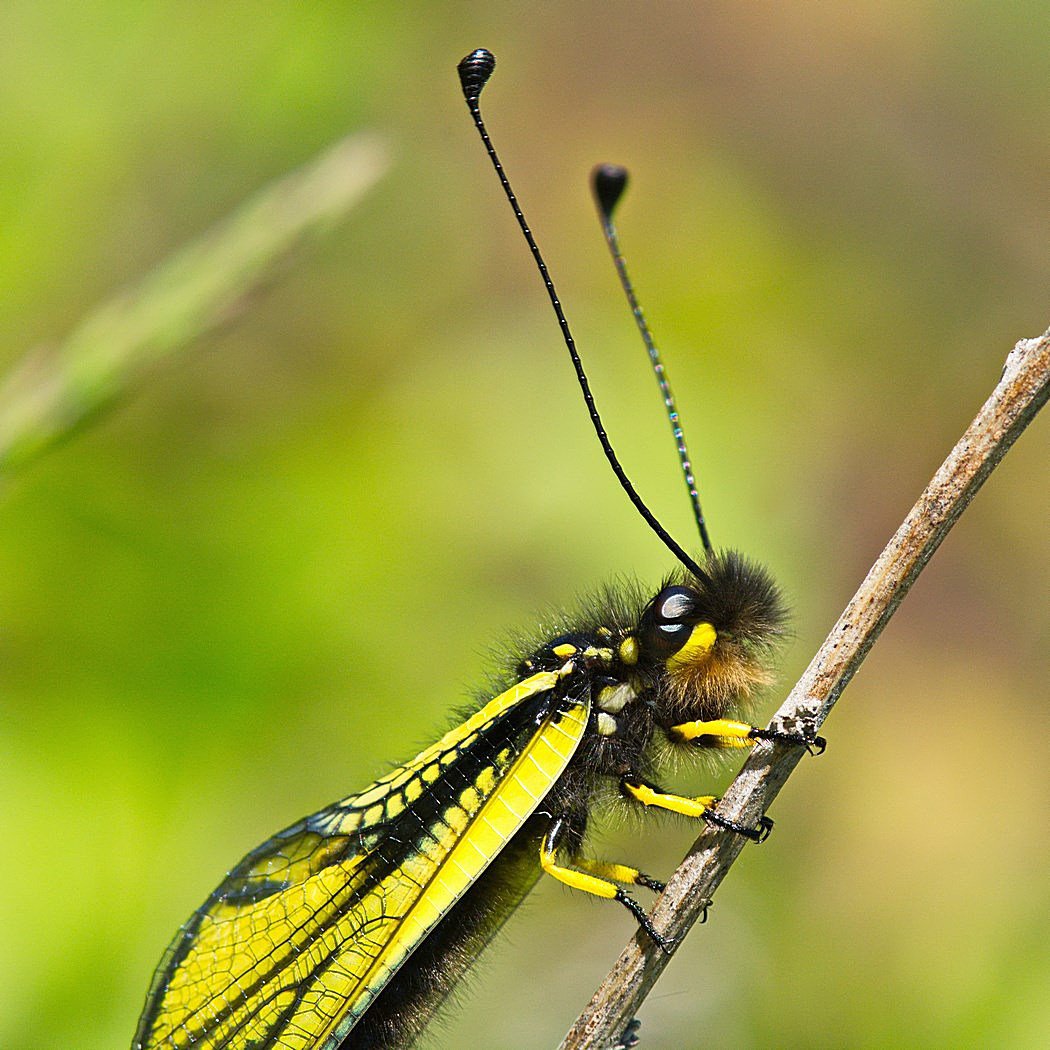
[[667, 623], [674, 604]]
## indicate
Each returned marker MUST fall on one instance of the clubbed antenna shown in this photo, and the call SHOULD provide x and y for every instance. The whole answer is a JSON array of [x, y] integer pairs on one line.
[[474, 73], [608, 181]]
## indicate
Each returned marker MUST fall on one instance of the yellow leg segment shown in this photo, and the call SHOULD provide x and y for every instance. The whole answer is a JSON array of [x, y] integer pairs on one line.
[[580, 880], [702, 806], [729, 733], [614, 872], [688, 807], [600, 880]]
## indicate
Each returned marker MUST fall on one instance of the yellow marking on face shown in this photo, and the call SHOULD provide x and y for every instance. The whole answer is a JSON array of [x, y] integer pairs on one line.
[[720, 727], [604, 632], [564, 651], [606, 724], [701, 641], [628, 650]]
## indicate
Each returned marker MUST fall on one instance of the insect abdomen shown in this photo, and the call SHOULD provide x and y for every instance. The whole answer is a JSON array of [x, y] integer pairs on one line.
[[404, 1008]]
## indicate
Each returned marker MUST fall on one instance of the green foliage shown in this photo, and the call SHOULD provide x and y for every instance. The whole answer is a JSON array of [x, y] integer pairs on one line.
[[837, 224]]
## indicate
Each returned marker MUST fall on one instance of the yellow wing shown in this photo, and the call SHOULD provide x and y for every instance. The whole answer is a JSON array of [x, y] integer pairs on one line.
[[304, 933]]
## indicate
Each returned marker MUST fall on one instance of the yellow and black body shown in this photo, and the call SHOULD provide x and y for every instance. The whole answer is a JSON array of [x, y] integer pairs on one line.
[[349, 928]]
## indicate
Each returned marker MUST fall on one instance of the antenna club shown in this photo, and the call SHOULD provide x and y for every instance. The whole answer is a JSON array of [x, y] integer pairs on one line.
[[608, 181], [475, 70]]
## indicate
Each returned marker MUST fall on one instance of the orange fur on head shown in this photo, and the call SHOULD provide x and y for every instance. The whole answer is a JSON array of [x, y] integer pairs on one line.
[[725, 681]]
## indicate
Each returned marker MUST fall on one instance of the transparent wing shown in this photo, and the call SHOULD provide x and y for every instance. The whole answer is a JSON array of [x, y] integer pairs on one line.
[[304, 933]]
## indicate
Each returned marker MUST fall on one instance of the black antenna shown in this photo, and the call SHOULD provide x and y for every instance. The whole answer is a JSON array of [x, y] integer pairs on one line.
[[608, 181], [474, 73]]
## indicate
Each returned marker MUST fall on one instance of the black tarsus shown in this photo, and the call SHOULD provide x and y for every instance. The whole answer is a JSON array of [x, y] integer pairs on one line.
[[650, 884], [755, 834], [474, 71], [628, 1038], [552, 841], [666, 944], [815, 745]]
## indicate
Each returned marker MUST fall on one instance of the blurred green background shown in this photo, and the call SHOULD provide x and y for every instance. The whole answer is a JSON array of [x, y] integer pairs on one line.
[[280, 560]]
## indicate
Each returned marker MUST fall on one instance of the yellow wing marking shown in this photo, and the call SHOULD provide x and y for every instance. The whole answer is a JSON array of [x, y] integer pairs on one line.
[[503, 813], [453, 742], [304, 933]]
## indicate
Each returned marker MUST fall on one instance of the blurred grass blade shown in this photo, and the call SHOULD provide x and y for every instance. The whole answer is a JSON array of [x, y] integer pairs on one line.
[[52, 389]]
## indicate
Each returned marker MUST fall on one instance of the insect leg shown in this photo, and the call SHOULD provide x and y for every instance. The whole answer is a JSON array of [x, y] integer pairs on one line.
[[723, 732], [815, 745], [702, 806], [619, 873], [601, 885], [628, 1038]]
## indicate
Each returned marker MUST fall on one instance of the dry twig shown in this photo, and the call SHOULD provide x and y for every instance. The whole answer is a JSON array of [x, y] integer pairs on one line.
[[1020, 393]]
